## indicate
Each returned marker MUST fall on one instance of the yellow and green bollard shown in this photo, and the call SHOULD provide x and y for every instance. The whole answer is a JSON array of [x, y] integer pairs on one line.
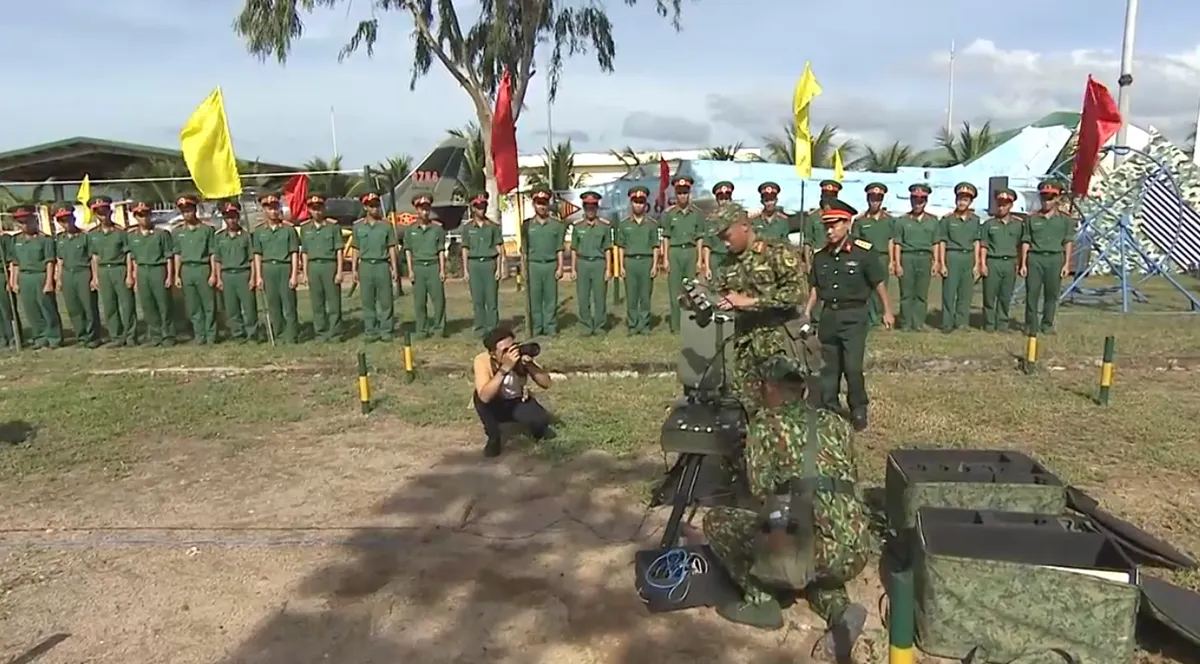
[[364, 386], [901, 618], [407, 353], [1031, 350], [1107, 370]]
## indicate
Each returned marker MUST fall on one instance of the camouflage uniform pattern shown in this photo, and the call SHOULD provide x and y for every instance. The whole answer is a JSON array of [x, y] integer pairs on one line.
[[904, 498], [841, 542], [719, 256]]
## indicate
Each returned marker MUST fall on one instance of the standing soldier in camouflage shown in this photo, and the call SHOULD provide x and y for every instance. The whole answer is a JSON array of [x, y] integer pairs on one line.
[[321, 264], [714, 253], [813, 534], [195, 270], [771, 223], [236, 278], [8, 336], [31, 276], [75, 276], [814, 229], [114, 270], [277, 269], [913, 259], [682, 226], [544, 242], [637, 240], [483, 265], [1045, 249], [1001, 244], [591, 247], [152, 251], [425, 251], [958, 255], [875, 226]]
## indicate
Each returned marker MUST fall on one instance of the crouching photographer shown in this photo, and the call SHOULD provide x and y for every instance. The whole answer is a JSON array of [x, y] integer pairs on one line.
[[502, 376]]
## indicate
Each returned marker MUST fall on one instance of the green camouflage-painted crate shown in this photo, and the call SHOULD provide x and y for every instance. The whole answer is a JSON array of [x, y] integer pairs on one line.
[[968, 479], [1033, 594]]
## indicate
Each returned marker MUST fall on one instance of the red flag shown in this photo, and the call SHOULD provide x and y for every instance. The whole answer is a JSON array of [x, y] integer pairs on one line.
[[504, 138], [664, 181], [1098, 123], [294, 193]]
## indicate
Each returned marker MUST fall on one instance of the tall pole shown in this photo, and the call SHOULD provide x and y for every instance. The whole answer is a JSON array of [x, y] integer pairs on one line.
[[950, 93], [1196, 139], [549, 125], [1125, 82], [333, 131]]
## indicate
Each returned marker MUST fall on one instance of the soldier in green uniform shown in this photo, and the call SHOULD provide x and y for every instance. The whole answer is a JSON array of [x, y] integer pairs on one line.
[[591, 244], [321, 264], [771, 223], [75, 276], [152, 251], [913, 259], [958, 257], [1045, 247], [682, 226], [812, 534], [277, 269], [195, 270], [31, 269], [545, 237], [483, 265], [236, 279], [8, 335], [1001, 244], [813, 234], [875, 226], [638, 242], [114, 271], [714, 253], [425, 251], [373, 265], [844, 275]]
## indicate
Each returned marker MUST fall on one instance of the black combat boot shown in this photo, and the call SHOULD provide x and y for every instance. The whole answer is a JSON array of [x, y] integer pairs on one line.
[[838, 643], [858, 419]]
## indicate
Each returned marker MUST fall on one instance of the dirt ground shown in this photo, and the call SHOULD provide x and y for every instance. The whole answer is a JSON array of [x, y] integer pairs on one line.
[[381, 543]]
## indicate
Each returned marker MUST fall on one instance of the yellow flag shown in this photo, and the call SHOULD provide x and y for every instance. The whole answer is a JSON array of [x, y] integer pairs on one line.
[[208, 150], [807, 88], [838, 170], [85, 195]]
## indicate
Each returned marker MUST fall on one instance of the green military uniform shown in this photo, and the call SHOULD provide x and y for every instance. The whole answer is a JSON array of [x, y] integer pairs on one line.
[[844, 277], [374, 242], [876, 228], [813, 227], [151, 250], [1047, 234], [796, 458], [591, 242], [74, 253], [7, 338], [425, 243], [195, 244], [234, 251], [915, 235], [321, 242], [1001, 238], [110, 247], [32, 253], [638, 239], [543, 246], [682, 227], [276, 245], [959, 236], [771, 225], [483, 240], [716, 251]]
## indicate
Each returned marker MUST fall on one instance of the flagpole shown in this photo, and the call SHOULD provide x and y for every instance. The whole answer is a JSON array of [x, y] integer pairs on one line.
[[950, 92], [1124, 93], [1196, 138], [549, 126], [333, 131]]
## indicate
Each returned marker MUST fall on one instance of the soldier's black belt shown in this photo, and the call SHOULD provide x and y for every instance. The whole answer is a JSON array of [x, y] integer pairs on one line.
[[287, 262], [78, 268], [959, 251], [121, 264], [41, 271], [540, 260], [423, 262], [845, 305], [480, 259], [321, 260], [1047, 253], [234, 269], [1000, 258], [376, 261], [915, 251], [690, 245], [591, 258], [149, 264], [639, 255], [197, 263]]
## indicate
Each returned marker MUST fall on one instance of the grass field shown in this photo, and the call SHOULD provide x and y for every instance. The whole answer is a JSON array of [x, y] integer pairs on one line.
[[157, 467]]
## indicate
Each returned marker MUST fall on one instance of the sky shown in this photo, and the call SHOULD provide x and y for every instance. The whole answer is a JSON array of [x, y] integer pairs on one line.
[[133, 70]]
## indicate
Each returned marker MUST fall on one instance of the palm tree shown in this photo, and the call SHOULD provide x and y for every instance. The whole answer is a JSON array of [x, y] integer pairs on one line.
[[885, 160], [251, 175], [967, 144], [390, 172], [722, 152], [781, 148], [634, 162], [475, 158], [172, 181], [558, 171], [332, 184]]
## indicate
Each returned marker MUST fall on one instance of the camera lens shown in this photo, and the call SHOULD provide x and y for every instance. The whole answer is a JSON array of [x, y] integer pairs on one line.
[[530, 349]]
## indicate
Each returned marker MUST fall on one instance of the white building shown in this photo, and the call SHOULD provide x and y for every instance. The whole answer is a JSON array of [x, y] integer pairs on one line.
[[596, 168]]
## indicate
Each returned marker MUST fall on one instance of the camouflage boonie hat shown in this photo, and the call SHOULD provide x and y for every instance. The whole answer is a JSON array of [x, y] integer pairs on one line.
[[780, 367], [727, 216]]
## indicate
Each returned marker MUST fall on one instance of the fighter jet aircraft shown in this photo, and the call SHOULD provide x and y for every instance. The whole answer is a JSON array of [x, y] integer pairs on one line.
[[441, 175]]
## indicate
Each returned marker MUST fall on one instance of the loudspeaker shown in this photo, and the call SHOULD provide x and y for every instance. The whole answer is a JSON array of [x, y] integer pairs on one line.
[[995, 184]]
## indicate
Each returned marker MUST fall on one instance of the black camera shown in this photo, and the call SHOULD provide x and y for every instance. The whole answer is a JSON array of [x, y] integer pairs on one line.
[[529, 349]]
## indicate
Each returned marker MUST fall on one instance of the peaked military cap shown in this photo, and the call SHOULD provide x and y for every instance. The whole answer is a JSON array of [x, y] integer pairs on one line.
[[965, 189], [876, 188], [421, 200], [139, 206], [1050, 186], [100, 202], [837, 210], [919, 190], [369, 198], [639, 194], [541, 194], [229, 207], [1006, 195], [23, 211], [831, 185], [314, 199], [64, 210], [722, 187], [590, 198], [768, 189], [480, 200], [683, 182], [187, 200], [268, 200]]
